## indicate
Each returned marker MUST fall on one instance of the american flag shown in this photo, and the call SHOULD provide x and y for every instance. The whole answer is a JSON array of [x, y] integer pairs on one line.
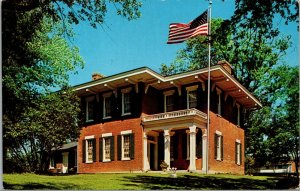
[[180, 32]]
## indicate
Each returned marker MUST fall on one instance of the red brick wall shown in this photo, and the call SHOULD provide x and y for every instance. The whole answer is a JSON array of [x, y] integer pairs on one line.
[[230, 133], [114, 127]]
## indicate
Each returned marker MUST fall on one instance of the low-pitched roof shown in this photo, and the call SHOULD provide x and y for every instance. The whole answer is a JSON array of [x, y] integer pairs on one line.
[[220, 77]]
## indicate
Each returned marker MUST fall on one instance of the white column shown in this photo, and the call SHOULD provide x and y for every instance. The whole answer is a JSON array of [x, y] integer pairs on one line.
[[204, 150], [156, 153], [192, 166], [167, 147], [146, 160]]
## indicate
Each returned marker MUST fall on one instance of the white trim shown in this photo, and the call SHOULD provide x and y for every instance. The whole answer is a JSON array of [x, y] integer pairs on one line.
[[192, 88], [89, 137], [238, 141], [87, 101], [126, 132], [218, 133], [125, 91], [87, 150], [122, 143], [165, 100], [238, 153], [106, 135], [104, 106]]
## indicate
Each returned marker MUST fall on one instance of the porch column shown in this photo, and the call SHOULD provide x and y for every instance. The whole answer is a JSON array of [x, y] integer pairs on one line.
[[146, 160], [192, 166], [167, 147], [204, 150]]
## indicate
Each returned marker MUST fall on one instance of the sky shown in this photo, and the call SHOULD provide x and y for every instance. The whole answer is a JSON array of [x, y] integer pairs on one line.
[[120, 45]]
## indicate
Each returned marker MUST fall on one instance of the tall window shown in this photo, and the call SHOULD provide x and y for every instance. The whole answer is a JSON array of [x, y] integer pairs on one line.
[[107, 146], [126, 101], [89, 150], [218, 146], [89, 109], [238, 152], [192, 97], [126, 146], [107, 105], [169, 100], [219, 101]]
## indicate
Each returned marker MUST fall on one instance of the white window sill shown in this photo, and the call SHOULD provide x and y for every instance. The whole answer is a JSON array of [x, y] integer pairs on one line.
[[124, 114], [51, 168], [125, 159], [106, 160], [90, 120], [108, 117], [219, 159], [88, 162]]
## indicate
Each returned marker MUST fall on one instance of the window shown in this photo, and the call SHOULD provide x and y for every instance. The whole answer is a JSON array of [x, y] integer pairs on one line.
[[218, 146], [126, 101], [89, 149], [192, 96], [89, 109], [107, 105], [106, 149], [238, 152], [169, 100], [126, 145], [52, 164]]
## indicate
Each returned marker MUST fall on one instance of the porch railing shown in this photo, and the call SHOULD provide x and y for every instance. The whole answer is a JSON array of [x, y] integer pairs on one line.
[[174, 114]]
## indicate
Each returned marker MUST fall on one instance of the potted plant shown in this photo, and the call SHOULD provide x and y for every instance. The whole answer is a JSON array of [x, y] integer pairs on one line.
[[164, 166]]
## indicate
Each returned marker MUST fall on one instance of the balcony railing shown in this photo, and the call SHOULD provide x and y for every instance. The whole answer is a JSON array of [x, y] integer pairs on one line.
[[175, 114]]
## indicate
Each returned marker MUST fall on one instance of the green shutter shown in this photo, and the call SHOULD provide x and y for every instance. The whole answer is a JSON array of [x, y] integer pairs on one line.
[[94, 149], [100, 149], [241, 154], [236, 151], [199, 144], [83, 151], [119, 147], [131, 151], [222, 148], [112, 149], [215, 145]]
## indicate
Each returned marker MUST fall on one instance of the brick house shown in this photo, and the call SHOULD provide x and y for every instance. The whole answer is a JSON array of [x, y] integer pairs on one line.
[[136, 119]]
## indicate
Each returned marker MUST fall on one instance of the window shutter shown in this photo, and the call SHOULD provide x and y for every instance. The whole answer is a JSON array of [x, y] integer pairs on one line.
[[100, 149], [94, 149], [236, 151], [222, 147], [241, 153], [83, 151], [199, 144], [216, 148], [112, 149], [184, 145], [131, 151], [119, 147]]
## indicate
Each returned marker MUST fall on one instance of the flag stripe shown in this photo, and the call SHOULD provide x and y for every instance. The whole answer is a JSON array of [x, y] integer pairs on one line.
[[179, 32]]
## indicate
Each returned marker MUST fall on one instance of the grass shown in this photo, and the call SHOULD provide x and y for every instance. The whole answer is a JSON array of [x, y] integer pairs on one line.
[[143, 181]]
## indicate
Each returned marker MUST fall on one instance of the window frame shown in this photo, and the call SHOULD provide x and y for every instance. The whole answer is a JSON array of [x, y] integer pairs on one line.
[[238, 114], [87, 140], [105, 97], [191, 89], [124, 92], [89, 100], [104, 137], [127, 134], [167, 94], [219, 93], [219, 146], [238, 152]]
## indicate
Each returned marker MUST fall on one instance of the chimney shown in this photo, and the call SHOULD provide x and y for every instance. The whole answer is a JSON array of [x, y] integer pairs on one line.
[[97, 76], [226, 66]]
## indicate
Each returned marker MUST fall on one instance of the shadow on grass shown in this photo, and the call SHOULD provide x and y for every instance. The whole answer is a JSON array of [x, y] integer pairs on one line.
[[39, 186], [188, 182]]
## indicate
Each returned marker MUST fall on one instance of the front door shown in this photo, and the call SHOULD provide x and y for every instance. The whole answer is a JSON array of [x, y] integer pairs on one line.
[[65, 156]]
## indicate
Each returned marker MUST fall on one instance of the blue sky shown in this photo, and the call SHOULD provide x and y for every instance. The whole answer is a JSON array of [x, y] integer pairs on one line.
[[120, 45]]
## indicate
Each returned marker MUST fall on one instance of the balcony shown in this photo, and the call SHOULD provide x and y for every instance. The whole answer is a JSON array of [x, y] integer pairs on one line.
[[175, 119]]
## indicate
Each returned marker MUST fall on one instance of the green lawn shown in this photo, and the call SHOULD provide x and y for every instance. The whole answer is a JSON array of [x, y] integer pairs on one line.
[[142, 182]]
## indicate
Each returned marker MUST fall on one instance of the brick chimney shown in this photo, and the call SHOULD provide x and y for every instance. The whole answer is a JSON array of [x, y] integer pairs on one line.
[[96, 76], [226, 66]]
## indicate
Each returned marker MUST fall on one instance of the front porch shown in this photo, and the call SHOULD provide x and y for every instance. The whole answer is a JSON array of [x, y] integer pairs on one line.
[[179, 138]]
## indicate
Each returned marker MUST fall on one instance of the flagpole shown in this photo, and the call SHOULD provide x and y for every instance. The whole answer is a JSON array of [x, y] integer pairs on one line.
[[208, 88]]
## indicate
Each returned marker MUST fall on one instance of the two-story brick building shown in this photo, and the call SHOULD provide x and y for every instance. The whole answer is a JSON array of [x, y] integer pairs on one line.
[[136, 119]]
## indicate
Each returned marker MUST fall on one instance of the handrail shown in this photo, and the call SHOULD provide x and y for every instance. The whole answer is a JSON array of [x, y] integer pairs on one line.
[[174, 114]]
